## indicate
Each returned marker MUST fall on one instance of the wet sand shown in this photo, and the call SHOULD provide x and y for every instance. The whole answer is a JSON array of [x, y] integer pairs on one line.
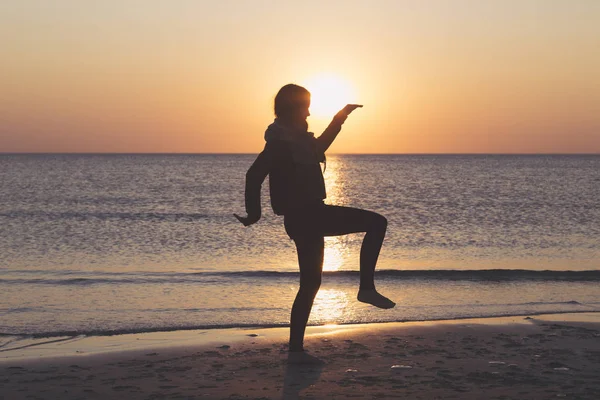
[[544, 357]]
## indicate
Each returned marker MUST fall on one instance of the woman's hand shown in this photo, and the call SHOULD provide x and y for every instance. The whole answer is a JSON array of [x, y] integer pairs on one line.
[[341, 116], [247, 221]]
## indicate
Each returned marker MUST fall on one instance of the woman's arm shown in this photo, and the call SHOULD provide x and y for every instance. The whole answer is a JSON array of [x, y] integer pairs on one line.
[[329, 135], [254, 179], [331, 132]]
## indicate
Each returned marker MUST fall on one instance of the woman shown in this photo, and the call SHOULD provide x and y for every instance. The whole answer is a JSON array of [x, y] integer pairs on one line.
[[291, 158]]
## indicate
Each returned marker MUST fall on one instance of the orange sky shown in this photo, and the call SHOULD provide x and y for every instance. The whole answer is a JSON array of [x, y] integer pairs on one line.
[[511, 76]]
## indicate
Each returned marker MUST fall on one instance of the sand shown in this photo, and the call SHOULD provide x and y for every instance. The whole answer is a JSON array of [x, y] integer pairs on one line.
[[544, 357]]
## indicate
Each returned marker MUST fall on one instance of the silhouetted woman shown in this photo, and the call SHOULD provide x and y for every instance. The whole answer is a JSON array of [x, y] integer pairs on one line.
[[292, 158]]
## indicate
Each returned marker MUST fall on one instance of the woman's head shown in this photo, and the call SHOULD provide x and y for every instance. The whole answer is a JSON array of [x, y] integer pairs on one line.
[[292, 103]]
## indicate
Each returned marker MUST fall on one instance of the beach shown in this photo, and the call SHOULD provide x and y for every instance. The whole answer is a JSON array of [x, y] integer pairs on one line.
[[127, 277], [188, 187], [541, 357]]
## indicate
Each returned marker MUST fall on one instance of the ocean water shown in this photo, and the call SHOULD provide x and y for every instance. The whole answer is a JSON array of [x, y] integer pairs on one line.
[[102, 244]]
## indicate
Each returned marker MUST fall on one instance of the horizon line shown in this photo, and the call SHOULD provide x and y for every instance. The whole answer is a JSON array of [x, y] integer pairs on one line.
[[254, 153]]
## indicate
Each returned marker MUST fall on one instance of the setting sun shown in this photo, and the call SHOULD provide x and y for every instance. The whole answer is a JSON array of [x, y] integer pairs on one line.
[[329, 94]]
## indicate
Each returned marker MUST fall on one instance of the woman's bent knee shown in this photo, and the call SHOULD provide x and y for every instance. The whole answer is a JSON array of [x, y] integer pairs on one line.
[[379, 222]]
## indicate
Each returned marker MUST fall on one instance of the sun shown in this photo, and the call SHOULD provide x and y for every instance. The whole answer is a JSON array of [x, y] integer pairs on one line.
[[329, 94]]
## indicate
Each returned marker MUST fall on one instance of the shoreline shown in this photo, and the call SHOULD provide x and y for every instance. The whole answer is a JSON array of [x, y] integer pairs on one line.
[[541, 357], [84, 345], [94, 333]]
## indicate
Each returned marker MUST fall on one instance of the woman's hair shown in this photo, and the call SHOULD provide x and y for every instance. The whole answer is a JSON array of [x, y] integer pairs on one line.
[[289, 99]]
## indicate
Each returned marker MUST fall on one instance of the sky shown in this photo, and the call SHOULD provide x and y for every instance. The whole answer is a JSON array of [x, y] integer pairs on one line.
[[148, 76]]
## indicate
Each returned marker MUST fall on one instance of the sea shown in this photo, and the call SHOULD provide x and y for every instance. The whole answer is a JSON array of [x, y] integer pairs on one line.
[[103, 244]]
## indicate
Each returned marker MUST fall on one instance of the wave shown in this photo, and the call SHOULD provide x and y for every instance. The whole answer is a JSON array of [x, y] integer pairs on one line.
[[473, 275], [80, 278]]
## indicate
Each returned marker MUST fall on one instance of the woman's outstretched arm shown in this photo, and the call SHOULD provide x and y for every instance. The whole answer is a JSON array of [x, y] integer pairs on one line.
[[331, 132], [329, 135], [254, 179]]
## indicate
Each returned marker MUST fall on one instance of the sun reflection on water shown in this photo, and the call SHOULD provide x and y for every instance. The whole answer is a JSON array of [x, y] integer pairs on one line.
[[334, 254], [334, 181], [330, 306], [335, 249]]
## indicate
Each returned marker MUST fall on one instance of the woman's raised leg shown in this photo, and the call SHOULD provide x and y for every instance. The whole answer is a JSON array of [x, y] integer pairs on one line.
[[336, 220]]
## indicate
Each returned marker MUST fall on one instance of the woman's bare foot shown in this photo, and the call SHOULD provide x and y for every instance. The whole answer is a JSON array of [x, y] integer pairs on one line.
[[301, 357], [374, 298]]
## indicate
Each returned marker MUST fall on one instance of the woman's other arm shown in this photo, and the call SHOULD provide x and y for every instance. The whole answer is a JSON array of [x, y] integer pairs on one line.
[[254, 179]]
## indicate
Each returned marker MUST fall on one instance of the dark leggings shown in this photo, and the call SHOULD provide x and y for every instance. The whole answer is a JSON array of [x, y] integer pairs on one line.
[[308, 228]]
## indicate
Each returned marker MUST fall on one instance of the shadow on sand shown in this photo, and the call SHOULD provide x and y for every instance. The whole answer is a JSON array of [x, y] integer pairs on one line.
[[298, 377]]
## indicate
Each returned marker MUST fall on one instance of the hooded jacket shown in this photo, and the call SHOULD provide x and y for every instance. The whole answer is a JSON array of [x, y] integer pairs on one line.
[[291, 158]]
